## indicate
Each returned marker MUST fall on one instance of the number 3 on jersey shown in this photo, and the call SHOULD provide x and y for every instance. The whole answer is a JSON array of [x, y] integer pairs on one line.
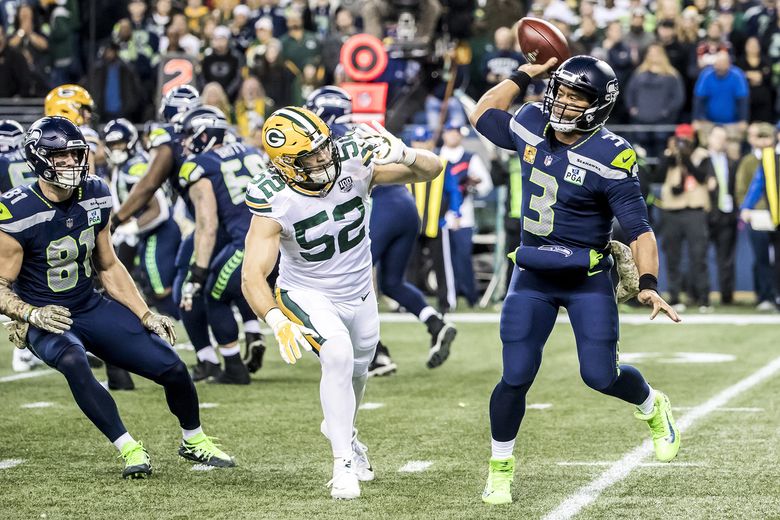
[[542, 204], [345, 242]]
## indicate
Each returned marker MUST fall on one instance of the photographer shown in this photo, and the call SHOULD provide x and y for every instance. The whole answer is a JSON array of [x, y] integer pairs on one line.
[[685, 200]]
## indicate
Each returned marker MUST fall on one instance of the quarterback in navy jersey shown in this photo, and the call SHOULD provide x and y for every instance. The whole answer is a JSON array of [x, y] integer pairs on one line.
[[576, 176], [215, 176], [53, 234]]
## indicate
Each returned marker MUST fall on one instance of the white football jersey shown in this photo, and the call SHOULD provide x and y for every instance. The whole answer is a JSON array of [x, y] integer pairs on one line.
[[324, 241]]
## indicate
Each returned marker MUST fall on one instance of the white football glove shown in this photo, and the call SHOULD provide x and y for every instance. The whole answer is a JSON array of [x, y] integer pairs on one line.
[[51, 318], [289, 335], [388, 149]]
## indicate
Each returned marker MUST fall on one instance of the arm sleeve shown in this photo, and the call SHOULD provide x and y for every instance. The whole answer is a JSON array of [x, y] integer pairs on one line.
[[494, 125], [755, 190], [628, 206]]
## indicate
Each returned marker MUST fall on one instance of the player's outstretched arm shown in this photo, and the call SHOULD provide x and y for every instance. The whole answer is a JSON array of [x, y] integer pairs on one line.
[[260, 252], [51, 318], [394, 162], [143, 191], [645, 251], [206, 223], [120, 286], [502, 95]]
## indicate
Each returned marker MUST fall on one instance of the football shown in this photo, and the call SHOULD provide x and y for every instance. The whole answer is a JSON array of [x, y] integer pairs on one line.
[[540, 40]]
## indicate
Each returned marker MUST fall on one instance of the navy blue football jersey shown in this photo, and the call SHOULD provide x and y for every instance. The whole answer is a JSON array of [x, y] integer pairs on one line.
[[165, 135], [229, 168], [58, 240], [570, 192], [14, 171]]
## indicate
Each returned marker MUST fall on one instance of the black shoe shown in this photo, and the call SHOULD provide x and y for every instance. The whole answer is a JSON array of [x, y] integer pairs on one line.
[[235, 373], [204, 370], [119, 378], [255, 350], [382, 364], [442, 336], [94, 361]]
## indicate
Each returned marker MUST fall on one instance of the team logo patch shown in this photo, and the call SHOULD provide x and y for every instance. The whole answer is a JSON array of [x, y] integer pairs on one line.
[[574, 175], [93, 217], [565, 251], [275, 138], [529, 155], [69, 223], [345, 184]]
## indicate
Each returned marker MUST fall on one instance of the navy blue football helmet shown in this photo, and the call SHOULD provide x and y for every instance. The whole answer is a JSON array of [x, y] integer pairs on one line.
[[177, 100], [121, 138], [590, 76], [203, 127], [47, 141], [11, 135], [332, 104]]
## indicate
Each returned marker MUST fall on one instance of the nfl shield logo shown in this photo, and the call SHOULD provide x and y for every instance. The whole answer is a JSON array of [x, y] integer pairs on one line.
[[548, 160], [69, 223], [345, 184]]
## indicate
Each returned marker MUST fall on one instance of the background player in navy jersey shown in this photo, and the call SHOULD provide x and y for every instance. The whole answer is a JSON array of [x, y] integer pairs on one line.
[[168, 155], [576, 176], [216, 176], [154, 228], [52, 235]]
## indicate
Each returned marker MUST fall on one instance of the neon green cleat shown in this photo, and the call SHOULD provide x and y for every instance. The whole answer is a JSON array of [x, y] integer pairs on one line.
[[666, 436], [498, 489], [202, 449], [137, 462]]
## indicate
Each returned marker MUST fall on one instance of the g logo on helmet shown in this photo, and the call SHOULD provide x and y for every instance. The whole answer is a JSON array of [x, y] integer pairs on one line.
[[275, 138]]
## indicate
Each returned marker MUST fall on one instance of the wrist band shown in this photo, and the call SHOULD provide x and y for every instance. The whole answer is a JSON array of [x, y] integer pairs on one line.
[[409, 157], [198, 274], [648, 281], [521, 79]]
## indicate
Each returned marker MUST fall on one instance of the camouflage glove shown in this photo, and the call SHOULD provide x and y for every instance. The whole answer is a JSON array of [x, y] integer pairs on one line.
[[17, 333], [160, 325], [628, 286], [51, 318]]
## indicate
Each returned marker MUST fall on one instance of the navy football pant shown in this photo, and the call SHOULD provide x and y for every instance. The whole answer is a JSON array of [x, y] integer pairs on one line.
[[195, 320], [393, 229], [527, 319], [223, 287], [157, 253], [113, 333], [461, 249]]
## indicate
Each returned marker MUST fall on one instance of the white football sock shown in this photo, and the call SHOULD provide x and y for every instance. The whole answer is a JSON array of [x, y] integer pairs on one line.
[[647, 406], [230, 351], [252, 326], [337, 395], [501, 449], [122, 440], [207, 354], [189, 434], [426, 313]]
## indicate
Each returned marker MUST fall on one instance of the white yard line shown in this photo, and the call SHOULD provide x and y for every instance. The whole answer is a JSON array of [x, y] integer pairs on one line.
[[625, 319], [370, 406], [740, 410], [539, 406], [202, 467], [37, 404], [27, 375], [643, 464], [621, 469], [208, 405], [10, 463], [415, 466]]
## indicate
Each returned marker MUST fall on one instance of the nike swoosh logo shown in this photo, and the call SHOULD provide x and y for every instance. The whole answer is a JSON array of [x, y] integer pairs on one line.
[[591, 273], [364, 297]]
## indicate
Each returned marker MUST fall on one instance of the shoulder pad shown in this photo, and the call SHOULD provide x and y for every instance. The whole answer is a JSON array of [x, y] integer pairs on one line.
[[138, 169], [193, 169], [21, 209], [94, 186], [160, 136], [616, 152], [263, 190]]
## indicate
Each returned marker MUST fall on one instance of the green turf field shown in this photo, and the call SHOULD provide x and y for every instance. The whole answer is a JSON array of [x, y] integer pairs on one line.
[[728, 467]]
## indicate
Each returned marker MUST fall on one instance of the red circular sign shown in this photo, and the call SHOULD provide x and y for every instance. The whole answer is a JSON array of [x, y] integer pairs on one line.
[[363, 57]]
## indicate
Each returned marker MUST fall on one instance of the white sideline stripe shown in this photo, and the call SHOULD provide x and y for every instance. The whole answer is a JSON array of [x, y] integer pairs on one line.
[[208, 405], [10, 463], [370, 406], [643, 464], [620, 470], [202, 467], [745, 410], [27, 375], [415, 466], [539, 406], [39, 404], [625, 319]]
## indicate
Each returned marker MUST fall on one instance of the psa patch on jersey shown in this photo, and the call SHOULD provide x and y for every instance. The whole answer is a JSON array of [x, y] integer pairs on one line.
[[93, 217], [574, 175], [529, 155]]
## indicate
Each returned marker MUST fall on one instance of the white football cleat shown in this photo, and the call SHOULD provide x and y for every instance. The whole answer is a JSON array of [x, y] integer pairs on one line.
[[360, 463], [345, 484], [24, 360]]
